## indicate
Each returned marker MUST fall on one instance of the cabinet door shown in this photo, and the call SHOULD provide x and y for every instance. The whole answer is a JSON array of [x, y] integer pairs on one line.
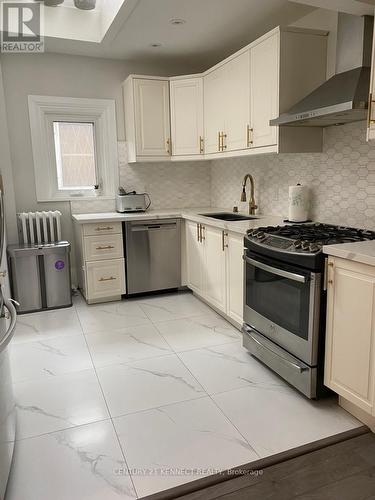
[[371, 112], [235, 276], [187, 116], [215, 268], [237, 102], [350, 335], [214, 96], [152, 117], [103, 247], [105, 278], [264, 78], [194, 257]]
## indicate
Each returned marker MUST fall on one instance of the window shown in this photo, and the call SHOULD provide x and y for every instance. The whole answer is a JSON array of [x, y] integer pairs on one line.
[[74, 147], [75, 155]]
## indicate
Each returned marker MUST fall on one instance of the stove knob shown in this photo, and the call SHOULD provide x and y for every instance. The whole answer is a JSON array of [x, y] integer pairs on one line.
[[260, 235], [297, 244], [253, 233], [305, 245]]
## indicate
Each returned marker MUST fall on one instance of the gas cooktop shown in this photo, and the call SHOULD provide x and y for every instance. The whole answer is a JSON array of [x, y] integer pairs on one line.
[[311, 237], [303, 239]]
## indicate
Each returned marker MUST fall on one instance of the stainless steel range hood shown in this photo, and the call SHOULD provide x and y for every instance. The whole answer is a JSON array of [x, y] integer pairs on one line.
[[344, 97]]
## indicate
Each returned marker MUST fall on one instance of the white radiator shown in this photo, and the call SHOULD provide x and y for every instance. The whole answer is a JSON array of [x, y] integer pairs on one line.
[[39, 227]]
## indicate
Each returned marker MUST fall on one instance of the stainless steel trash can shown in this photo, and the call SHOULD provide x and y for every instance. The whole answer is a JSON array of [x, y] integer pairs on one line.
[[40, 276]]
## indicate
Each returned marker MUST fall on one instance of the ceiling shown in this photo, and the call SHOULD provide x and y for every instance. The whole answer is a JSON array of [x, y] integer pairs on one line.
[[213, 30]]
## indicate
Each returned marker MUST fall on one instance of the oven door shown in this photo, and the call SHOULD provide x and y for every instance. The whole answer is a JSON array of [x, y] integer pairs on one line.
[[282, 302]]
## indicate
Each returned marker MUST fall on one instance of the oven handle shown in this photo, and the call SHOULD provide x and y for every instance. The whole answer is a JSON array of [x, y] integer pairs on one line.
[[248, 331], [275, 270]]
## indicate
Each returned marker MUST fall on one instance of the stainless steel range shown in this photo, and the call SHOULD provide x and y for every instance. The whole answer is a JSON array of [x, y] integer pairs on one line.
[[285, 298]]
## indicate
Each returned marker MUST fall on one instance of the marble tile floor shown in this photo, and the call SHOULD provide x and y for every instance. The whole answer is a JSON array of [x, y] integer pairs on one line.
[[125, 399]]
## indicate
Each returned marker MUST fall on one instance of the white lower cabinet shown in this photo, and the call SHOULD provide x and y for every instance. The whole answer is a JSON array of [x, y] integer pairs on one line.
[[350, 333], [100, 261], [194, 257], [235, 277], [215, 267], [105, 278]]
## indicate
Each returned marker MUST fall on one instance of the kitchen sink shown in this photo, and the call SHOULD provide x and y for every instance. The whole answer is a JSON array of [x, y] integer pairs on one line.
[[229, 216]]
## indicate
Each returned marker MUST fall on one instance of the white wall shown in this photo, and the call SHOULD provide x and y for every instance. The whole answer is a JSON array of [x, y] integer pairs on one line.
[[60, 75], [6, 170], [76, 76], [323, 19]]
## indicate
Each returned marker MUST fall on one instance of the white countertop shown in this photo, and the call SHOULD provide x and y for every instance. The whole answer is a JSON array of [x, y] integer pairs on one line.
[[361, 251], [184, 213]]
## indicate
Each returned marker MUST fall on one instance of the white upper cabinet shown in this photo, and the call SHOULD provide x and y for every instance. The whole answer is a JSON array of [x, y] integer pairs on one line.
[[264, 92], [214, 109], [147, 118], [187, 116], [237, 102], [371, 111], [240, 97], [227, 105]]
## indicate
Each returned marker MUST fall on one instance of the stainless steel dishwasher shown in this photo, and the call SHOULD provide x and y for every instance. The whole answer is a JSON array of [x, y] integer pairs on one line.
[[153, 255]]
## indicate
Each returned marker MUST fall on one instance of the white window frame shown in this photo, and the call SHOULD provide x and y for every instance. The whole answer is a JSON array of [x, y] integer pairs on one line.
[[43, 111]]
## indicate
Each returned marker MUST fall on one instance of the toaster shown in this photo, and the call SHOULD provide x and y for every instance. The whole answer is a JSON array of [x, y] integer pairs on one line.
[[132, 202]]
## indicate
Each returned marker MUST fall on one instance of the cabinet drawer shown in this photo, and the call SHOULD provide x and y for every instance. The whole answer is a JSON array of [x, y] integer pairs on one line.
[[105, 278], [102, 228], [103, 247]]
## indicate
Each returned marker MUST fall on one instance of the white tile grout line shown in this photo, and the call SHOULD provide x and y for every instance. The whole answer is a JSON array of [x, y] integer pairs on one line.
[[225, 415], [217, 406], [64, 429], [109, 413], [205, 394]]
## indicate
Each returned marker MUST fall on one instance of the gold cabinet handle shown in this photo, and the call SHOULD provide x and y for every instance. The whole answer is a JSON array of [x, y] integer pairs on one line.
[[105, 247], [224, 245], [198, 232], [106, 228], [371, 121], [249, 135], [223, 136], [219, 139], [169, 146], [108, 279], [201, 144]]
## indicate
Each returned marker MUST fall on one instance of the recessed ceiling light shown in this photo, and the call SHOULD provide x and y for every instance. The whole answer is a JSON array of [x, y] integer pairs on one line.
[[155, 45], [177, 21]]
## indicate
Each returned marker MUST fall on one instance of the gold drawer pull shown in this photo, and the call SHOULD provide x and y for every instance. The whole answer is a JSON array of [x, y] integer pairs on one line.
[[201, 144], [223, 136], [106, 247], [169, 146], [249, 136], [371, 121], [108, 279], [106, 228]]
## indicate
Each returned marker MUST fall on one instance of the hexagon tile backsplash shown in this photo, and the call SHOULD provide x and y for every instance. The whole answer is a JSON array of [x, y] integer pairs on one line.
[[341, 179], [170, 185]]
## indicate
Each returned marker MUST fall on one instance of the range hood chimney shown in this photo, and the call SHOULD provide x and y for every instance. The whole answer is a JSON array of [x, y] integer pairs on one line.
[[344, 97]]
